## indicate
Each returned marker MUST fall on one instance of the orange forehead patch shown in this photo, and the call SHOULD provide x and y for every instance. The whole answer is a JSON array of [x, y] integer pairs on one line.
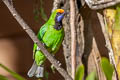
[[60, 10]]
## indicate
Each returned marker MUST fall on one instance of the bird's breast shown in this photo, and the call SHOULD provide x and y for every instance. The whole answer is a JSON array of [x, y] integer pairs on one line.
[[53, 38]]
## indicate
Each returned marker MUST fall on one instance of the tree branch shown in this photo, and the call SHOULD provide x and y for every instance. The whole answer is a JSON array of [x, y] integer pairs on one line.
[[35, 39], [95, 5], [73, 37], [56, 4]]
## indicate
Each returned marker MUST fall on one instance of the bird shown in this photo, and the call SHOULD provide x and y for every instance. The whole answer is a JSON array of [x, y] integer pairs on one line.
[[51, 34]]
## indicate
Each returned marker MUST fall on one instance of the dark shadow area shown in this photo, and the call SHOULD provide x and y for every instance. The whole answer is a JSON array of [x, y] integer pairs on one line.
[[99, 36], [79, 5], [88, 36], [92, 29]]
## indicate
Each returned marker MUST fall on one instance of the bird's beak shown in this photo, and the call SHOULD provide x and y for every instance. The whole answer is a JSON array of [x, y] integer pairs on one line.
[[60, 17]]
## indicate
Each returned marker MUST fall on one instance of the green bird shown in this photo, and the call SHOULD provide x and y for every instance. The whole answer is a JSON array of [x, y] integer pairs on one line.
[[51, 34]]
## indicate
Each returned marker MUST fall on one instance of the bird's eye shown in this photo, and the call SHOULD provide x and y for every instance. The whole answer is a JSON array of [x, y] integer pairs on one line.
[[58, 14]]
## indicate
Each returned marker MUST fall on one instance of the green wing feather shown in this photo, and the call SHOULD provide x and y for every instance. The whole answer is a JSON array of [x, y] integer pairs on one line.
[[42, 31], [40, 36], [37, 54]]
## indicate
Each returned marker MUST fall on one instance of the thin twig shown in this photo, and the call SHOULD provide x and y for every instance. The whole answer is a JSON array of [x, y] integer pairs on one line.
[[108, 44], [73, 37], [35, 39]]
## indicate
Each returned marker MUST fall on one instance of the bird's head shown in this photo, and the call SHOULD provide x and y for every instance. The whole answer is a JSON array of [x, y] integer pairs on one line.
[[59, 15]]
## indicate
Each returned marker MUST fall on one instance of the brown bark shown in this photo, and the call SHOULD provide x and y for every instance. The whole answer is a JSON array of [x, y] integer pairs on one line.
[[91, 42]]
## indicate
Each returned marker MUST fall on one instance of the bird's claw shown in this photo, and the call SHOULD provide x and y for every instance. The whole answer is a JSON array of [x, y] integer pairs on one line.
[[53, 68], [58, 62]]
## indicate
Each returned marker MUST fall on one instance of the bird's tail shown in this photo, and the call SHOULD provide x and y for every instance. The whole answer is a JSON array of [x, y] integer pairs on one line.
[[36, 70]]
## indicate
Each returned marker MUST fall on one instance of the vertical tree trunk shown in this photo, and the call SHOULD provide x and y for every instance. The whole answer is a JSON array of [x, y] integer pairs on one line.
[[67, 39]]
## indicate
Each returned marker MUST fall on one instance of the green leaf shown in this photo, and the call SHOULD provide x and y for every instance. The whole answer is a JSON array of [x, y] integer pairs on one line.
[[92, 76], [79, 73], [3, 77], [107, 68], [39, 11], [46, 75], [14, 74], [42, 12], [36, 14]]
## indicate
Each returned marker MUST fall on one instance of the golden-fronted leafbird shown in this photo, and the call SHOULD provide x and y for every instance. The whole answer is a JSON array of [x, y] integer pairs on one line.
[[51, 34]]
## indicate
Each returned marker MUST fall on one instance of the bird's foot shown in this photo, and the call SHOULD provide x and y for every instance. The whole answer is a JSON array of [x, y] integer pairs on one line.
[[38, 48], [58, 62], [52, 68]]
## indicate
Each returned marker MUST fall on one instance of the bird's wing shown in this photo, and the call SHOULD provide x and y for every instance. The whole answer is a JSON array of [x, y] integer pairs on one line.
[[40, 35], [42, 31]]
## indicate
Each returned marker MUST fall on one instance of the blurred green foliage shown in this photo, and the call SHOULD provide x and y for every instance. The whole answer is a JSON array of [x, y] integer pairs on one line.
[[92, 76], [79, 73], [107, 68], [14, 74], [3, 77], [39, 11], [42, 12]]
